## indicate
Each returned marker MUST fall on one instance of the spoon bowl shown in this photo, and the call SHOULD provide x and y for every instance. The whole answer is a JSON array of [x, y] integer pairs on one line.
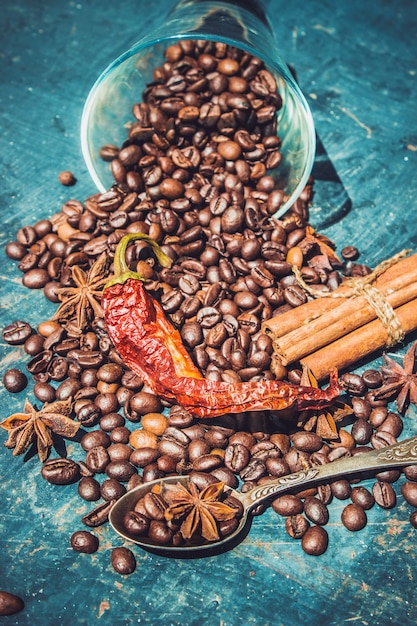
[[397, 455]]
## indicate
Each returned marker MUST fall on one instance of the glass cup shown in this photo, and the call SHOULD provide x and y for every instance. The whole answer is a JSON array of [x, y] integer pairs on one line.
[[239, 23]]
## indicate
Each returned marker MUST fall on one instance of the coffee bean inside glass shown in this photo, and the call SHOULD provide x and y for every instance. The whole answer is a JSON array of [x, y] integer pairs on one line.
[[219, 73]]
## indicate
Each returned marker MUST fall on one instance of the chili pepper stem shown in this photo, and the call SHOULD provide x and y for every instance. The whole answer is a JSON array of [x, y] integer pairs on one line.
[[121, 270]]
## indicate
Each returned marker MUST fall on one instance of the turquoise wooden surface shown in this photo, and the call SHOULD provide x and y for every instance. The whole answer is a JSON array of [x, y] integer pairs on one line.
[[357, 65]]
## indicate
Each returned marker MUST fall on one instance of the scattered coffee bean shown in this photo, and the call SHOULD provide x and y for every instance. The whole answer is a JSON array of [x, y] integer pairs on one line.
[[287, 505], [10, 603], [14, 380], [353, 517], [84, 541], [16, 333], [315, 540], [60, 471], [99, 515], [316, 511], [409, 492], [67, 178], [123, 560], [384, 495], [361, 496], [413, 519], [296, 526], [89, 488]]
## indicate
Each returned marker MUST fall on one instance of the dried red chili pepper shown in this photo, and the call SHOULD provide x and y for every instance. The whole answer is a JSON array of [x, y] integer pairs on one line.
[[150, 346]]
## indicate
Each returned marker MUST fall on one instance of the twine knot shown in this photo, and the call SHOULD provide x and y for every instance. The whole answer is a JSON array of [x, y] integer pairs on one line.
[[363, 286]]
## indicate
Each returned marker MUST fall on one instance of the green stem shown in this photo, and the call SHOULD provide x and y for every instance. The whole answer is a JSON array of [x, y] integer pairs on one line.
[[121, 268]]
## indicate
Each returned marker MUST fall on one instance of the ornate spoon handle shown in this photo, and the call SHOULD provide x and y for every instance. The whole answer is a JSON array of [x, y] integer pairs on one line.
[[397, 455]]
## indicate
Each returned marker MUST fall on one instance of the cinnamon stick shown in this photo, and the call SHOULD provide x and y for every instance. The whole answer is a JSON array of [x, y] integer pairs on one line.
[[358, 344], [400, 274], [347, 317]]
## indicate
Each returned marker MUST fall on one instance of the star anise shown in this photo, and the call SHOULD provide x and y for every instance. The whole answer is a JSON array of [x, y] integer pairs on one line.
[[37, 426], [320, 242], [323, 421], [81, 302], [399, 381], [199, 510]]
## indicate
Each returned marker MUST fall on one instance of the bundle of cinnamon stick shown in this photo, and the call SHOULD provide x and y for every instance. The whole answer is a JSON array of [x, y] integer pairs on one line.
[[340, 330]]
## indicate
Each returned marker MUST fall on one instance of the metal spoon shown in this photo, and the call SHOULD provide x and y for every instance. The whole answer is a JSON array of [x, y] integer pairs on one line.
[[397, 455]]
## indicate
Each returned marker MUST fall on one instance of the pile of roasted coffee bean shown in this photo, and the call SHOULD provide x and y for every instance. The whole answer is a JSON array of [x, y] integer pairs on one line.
[[196, 174]]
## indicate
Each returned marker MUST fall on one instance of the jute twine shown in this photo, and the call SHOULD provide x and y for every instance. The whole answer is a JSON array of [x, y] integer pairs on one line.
[[362, 286]]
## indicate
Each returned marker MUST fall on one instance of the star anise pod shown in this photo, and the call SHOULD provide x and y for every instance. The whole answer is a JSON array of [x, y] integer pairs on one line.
[[399, 381], [81, 302], [199, 510], [321, 242], [37, 426], [323, 421]]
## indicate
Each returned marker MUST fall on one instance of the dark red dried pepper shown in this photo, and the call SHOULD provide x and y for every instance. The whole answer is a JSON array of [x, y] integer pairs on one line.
[[150, 346]]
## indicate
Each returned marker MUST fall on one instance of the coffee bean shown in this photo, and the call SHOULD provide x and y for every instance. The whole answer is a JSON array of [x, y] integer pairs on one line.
[[207, 462], [381, 439], [136, 523], [44, 392], [224, 475], [123, 561], [413, 519], [372, 378], [236, 457], [120, 470], [378, 416], [392, 424], [296, 526], [119, 451], [10, 603], [111, 421], [288, 505], [349, 253], [95, 438], [409, 492], [384, 495], [254, 470], [159, 533], [315, 540], [410, 472], [277, 467], [97, 459], [361, 431], [84, 541], [14, 380], [34, 344], [16, 333], [15, 250], [88, 413], [341, 489], [89, 489], [144, 402], [155, 506], [306, 441], [353, 383], [361, 496], [294, 295], [316, 511], [60, 471], [354, 517], [144, 456], [361, 408], [112, 489], [35, 278], [99, 515]]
